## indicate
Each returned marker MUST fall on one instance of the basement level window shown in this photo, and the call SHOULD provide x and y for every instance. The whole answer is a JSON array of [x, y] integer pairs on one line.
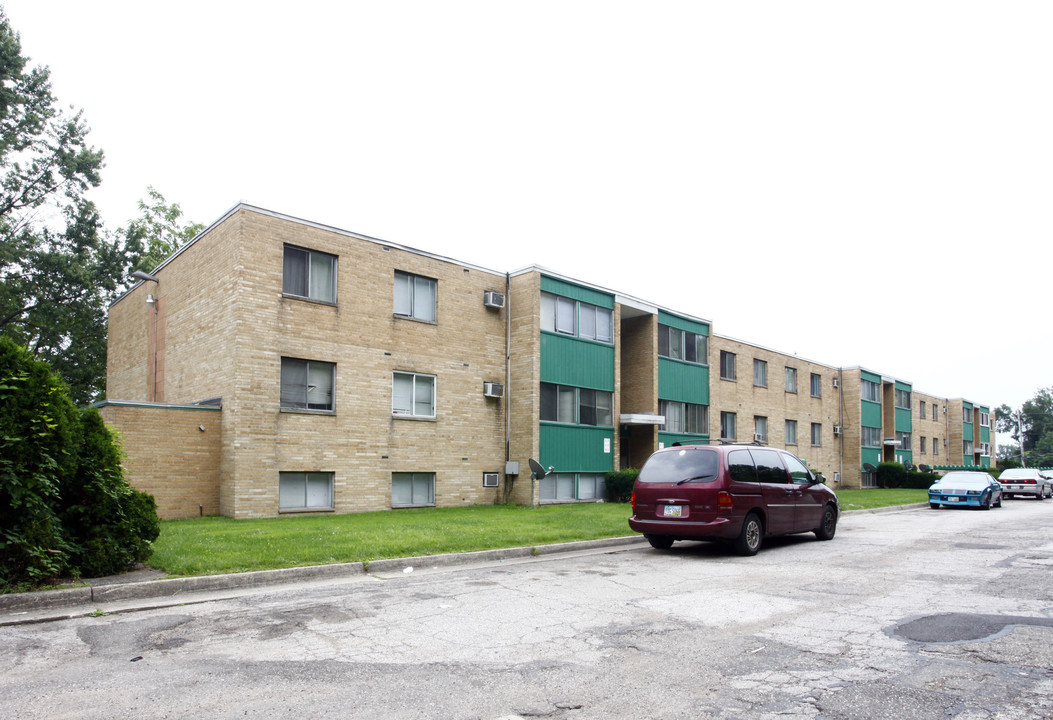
[[305, 491]]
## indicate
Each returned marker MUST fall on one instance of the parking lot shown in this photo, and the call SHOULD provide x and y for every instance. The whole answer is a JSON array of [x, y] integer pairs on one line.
[[916, 613]]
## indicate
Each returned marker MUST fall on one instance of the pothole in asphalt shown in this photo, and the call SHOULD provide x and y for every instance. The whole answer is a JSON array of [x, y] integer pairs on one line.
[[962, 627]]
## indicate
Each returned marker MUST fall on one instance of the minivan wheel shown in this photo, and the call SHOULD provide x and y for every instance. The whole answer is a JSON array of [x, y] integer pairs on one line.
[[660, 542], [829, 525], [749, 540]]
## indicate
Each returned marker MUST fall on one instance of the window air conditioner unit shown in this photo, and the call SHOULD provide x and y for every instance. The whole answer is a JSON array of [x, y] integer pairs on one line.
[[493, 299], [757, 437], [490, 479], [493, 389], [837, 429], [837, 383]]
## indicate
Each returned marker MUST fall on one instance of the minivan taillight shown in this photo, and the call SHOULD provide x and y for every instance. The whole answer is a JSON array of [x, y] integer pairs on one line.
[[632, 500], [724, 501]]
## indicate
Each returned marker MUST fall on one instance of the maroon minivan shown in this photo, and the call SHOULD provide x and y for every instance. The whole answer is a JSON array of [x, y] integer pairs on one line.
[[737, 493]]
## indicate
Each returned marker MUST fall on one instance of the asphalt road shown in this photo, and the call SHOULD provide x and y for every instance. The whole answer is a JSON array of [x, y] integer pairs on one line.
[[914, 614]]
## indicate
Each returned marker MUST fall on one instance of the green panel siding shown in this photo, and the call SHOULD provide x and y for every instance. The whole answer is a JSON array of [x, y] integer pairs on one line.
[[985, 462], [683, 323], [870, 414], [870, 455], [576, 448], [576, 292], [682, 381], [581, 363], [903, 419], [985, 434], [870, 376], [667, 439]]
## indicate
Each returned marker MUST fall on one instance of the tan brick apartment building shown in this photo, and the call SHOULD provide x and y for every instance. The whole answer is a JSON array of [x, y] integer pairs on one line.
[[275, 365]]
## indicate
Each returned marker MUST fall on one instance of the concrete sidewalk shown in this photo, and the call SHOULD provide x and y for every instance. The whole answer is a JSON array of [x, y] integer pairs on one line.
[[149, 588]]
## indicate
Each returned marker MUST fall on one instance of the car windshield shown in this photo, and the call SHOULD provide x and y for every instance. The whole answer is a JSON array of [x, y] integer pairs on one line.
[[680, 466], [964, 480]]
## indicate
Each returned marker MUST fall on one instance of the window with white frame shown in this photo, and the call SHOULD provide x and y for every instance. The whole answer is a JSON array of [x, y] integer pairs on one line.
[[305, 491], [307, 384], [412, 489], [817, 385], [568, 487], [727, 425], [791, 380], [985, 449], [904, 440], [412, 395], [935, 415], [760, 373], [985, 419], [580, 319], [935, 446], [683, 345], [817, 434], [309, 274], [791, 432], [416, 296], [903, 399], [967, 414], [683, 417], [727, 365], [870, 390], [870, 437], [760, 428], [579, 406], [967, 447]]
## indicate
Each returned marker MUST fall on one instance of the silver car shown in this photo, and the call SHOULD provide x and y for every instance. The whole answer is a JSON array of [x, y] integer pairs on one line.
[[1025, 481]]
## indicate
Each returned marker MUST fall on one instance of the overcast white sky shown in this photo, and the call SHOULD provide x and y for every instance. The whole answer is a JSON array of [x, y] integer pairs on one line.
[[862, 184]]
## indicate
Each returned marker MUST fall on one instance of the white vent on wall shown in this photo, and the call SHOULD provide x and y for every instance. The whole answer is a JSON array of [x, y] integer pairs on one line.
[[837, 383], [837, 429], [490, 479], [493, 299], [493, 389]]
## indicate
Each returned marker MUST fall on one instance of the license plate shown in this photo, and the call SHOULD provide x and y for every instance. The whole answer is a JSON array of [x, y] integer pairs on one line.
[[953, 499], [673, 511]]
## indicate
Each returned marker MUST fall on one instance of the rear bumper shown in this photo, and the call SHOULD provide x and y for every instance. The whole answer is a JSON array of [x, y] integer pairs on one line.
[[721, 528], [1022, 489]]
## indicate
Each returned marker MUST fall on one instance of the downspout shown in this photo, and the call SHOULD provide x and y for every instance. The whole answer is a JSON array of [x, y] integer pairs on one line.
[[508, 380], [841, 422]]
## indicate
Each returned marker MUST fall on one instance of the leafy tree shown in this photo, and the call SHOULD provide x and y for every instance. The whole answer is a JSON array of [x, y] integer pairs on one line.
[[57, 267], [1035, 428], [156, 233]]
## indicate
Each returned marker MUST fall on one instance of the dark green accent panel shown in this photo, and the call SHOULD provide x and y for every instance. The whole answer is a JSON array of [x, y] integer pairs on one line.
[[576, 448], [581, 363], [903, 419], [903, 386], [667, 439], [870, 455], [682, 323], [870, 414], [684, 382], [864, 375], [907, 455], [576, 292], [985, 434], [985, 462]]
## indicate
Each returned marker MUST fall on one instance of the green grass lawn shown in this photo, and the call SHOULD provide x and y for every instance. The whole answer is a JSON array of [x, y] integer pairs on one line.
[[212, 545]]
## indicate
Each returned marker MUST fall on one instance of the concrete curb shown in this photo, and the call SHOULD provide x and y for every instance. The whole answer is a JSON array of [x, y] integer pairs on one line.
[[174, 587]]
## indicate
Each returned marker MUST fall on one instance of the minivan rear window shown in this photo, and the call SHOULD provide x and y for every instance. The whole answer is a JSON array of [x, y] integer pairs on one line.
[[681, 466]]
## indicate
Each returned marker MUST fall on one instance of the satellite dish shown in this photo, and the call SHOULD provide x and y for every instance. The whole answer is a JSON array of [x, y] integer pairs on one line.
[[537, 469], [924, 468], [869, 468]]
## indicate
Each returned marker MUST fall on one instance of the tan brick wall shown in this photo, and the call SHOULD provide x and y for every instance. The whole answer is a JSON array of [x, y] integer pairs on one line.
[[172, 454], [638, 385], [747, 401], [525, 363]]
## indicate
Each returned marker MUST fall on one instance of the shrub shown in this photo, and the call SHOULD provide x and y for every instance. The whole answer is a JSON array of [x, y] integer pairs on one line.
[[65, 506], [620, 484], [891, 475]]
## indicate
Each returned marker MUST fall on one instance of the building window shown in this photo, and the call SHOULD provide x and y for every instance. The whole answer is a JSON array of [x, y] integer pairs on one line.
[[985, 419], [791, 432], [760, 373], [305, 491], [935, 446], [727, 426], [903, 398], [309, 274], [922, 444], [791, 380], [869, 479], [727, 365], [870, 390], [681, 417], [412, 489], [580, 406], [579, 319], [817, 434], [683, 345], [968, 447], [307, 384], [760, 428], [413, 395], [415, 296], [967, 415], [904, 441], [567, 487], [817, 385], [871, 437], [934, 413], [921, 409]]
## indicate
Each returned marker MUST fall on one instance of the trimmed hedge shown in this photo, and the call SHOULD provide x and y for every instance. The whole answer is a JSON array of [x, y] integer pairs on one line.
[[620, 484]]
